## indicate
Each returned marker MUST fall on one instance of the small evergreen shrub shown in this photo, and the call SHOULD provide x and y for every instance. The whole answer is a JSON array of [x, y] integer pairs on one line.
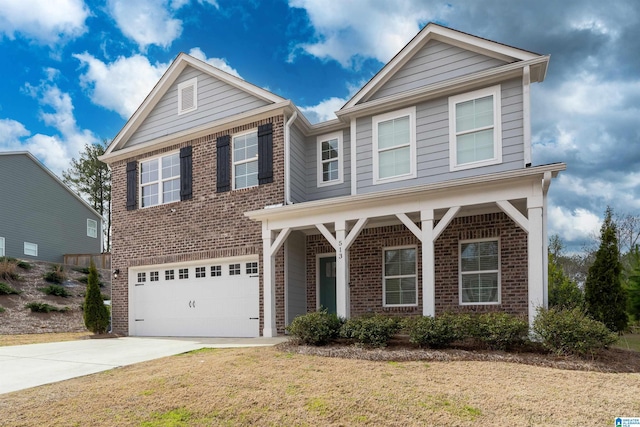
[[8, 290], [96, 314], [56, 290], [56, 275], [83, 270], [1, 309], [571, 332], [433, 332], [500, 331], [375, 330], [85, 279], [24, 265], [43, 307], [317, 328]]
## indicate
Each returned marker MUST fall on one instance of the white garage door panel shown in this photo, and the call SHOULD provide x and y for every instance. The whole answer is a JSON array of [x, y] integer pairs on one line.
[[214, 306]]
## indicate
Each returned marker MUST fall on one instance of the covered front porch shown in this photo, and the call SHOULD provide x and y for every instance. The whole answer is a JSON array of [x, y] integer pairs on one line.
[[424, 213]]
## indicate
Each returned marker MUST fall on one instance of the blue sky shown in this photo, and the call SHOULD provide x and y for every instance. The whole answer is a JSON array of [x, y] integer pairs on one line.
[[73, 71]]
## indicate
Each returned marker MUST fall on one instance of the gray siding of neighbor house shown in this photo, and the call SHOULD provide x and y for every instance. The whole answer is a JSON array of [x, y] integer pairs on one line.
[[432, 143], [295, 265], [298, 166], [336, 190], [36, 208], [216, 100], [435, 62]]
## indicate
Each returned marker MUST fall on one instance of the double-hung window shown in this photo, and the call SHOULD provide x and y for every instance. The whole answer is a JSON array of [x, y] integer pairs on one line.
[[1, 246], [394, 145], [245, 160], [329, 163], [160, 180], [92, 228], [475, 129], [480, 272], [400, 281], [30, 249]]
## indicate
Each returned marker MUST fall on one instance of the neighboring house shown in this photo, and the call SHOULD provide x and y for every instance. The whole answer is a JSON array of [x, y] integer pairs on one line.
[[40, 217], [232, 214]]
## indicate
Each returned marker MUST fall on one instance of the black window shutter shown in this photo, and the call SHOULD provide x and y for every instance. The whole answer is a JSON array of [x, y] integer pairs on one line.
[[185, 173], [265, 153], [132, 185], [223, 164]]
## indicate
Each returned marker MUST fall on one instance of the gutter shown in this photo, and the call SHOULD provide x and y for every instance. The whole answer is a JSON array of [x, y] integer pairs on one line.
[[287, 161]]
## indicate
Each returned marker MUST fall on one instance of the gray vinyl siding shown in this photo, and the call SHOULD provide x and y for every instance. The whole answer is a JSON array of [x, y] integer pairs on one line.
[[216, 100], [435, 62], [298, 183], [296, 286], [325, 192], [432, 143], [38, 209]]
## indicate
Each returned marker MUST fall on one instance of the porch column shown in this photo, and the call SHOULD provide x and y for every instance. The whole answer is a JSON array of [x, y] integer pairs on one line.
[[428, 264], [536, 258], [342, 254], [269, 248]]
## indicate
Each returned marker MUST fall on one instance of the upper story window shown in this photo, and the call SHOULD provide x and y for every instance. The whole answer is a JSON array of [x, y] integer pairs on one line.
[[160, 180], [400, 281], [188, 96], [480, 272], [92, 228], [245, 160], [474, 129], [329, 164], [394, 146]]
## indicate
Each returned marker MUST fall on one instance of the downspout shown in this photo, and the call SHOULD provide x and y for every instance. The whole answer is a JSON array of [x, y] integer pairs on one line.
[[287, 156], [546, 182]]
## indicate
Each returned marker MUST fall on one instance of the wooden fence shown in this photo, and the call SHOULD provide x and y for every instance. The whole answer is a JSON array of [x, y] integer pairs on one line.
[[102, 261]]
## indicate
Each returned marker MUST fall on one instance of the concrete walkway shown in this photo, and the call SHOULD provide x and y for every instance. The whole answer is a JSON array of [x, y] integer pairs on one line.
[[25, 366]]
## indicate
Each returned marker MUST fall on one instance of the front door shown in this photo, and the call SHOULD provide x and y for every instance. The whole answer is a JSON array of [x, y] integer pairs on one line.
[[327, 279]]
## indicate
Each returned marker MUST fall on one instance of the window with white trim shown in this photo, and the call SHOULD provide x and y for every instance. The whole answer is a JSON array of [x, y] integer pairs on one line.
[[154, 276], [92, 228], [245, 160], [160, 180], [1, 246], [188, 96], [183, 273], [251, 268], [394, 146], [480, 272], [201, 272], [169, 275], [216, 270], [234, 269], [30, 249], [400, 277], [475, 136], [329, 155], [142, 277]]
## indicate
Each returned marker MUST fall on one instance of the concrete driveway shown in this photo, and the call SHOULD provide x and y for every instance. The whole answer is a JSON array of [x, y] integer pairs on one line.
[[25, 366]]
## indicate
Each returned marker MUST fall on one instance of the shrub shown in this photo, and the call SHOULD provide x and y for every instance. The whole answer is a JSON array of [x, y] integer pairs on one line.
[[56, 275], [1, 309], [8, 269], [83, 270], [433, 332], [43, 307], [85, 279], [316, 328], [56, 290], [375, 330], [500, 331], [7, 290], [24, 265], [96, 314], [571, 332]]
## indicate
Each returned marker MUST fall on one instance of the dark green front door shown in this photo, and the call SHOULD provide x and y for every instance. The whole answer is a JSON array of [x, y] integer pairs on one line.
[[327, 275]]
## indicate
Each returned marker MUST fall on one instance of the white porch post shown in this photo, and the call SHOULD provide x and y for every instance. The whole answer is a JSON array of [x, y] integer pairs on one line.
[[536, 258], [342, 308], [428, 264], [268, 283]]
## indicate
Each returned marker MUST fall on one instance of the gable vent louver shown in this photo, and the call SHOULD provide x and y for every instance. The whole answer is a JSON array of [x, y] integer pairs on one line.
[[187, 98]]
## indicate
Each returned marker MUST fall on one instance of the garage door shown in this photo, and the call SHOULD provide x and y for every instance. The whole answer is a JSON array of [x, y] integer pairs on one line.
[[208, 299]]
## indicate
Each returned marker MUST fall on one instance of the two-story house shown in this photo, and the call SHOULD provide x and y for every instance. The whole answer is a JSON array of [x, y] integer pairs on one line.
[[232, 214]]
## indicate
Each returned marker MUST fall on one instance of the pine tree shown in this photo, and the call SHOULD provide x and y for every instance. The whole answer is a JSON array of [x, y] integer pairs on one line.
[[96, 314], [632, 283], [605, 298]]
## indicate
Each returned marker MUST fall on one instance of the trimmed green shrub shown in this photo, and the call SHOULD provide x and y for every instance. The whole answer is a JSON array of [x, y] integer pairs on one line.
[[56, 290], [500, 331], [375, 330], [24, 265], [85, 279], [96, 314], [43, 307], [317, 328], [433, 332], [571, 332], [8, 290], [83, 270], [56, 275], [1, 309]]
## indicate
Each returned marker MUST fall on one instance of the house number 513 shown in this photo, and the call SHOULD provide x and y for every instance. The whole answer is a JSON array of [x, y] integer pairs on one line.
[[339, 249]]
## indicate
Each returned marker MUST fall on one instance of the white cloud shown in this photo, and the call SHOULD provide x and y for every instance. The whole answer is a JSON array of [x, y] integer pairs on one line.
[[11, 132], [349, 30], [122, 85], [577, 225], [220, 63], [325, 110], [146, 22], [47, 22]]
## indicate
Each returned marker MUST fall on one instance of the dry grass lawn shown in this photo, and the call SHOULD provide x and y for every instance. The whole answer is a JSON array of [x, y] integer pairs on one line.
[[23, 339], [265, 386]]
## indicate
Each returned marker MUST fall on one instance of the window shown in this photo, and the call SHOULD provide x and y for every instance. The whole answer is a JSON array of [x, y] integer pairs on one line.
[[160, 180], [234, 269], [188, 96], [245, 160], [92, 228], [329, 163], [252, 268], [216, 270], [142, 277], [183, 273], [394, 146], [1, 246], [30, 249], [201, 272], [154, 276], [480, 272], [475, 129], [169, 275], [400, 277]]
